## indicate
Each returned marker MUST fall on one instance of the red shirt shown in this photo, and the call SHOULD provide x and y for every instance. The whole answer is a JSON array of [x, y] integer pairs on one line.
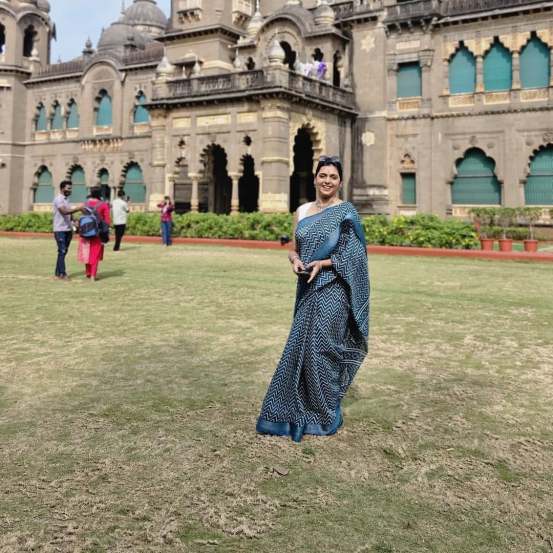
[[166, 211]]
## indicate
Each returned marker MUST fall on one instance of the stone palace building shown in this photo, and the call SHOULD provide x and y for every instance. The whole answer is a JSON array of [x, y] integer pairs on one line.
[[433, 105]]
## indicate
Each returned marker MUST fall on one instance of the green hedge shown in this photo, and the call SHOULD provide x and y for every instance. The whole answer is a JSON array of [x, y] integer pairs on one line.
[[425, 231]]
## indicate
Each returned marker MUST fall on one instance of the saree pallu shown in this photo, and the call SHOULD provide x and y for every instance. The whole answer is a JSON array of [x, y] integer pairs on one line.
[[328, 339]]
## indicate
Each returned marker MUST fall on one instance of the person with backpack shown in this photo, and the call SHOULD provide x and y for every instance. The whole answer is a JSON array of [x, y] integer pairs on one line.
[[93, 232]]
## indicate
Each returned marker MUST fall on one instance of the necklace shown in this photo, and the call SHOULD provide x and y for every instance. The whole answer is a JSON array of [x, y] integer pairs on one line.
[[321, 207]]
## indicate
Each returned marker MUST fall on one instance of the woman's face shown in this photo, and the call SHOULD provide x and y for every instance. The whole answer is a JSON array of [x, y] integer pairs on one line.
[[327, 182]]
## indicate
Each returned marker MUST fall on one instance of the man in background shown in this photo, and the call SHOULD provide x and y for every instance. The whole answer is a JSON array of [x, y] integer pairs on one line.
[[120, 211], [63, 226]]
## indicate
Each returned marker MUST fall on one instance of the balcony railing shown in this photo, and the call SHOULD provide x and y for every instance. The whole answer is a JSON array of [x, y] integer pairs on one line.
[[424, 9], [257, 80], [65, 68], [458, 7], [414, 10]]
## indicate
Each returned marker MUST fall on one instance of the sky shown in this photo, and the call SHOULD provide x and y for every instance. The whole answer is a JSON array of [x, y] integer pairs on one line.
[[76, 20]]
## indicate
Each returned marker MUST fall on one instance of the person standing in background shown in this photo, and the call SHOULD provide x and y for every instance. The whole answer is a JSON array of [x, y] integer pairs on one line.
[[120, 211], [63, 226], [167, 207]]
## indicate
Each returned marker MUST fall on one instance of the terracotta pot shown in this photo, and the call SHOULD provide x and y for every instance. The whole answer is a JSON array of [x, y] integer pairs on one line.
[[505, 245], [487, 244], [531, 246]]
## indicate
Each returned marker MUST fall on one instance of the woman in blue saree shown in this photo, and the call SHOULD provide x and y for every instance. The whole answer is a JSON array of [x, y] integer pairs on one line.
[[328, 339]]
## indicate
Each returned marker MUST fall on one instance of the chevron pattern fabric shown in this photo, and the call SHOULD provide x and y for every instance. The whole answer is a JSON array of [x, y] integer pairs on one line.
[[328, 339]]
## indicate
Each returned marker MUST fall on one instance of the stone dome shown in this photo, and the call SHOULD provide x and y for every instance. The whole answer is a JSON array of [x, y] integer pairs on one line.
[[118, 34], [145, 14]]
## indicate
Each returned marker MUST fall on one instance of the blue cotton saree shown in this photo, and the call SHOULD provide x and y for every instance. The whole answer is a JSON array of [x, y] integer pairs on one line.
[[328, 339]]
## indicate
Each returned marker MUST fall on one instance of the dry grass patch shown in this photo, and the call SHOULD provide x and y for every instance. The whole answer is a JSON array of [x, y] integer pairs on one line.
[[127, 409]]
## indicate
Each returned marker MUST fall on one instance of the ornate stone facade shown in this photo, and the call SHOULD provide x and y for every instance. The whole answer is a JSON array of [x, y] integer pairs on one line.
[[227, 104]]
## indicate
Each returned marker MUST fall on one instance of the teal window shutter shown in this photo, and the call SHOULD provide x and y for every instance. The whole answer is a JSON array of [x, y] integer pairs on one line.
[[535, 68], [409, 188], [498, 68], [42, 119], [409, 80], [141, 114], [462, 72], [104, 115], [79, 185], [57, 119], [476, 182], [73, 115], [134, 184], [539, 186], [44, 192]]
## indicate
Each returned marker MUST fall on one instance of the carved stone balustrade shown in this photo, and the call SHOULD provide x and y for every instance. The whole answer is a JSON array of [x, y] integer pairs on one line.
[[417, 9], [256, 82], [458, 7]]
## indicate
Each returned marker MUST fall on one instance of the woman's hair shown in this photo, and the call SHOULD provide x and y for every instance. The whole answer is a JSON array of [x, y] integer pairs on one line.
[[324, 161], [96, 192]]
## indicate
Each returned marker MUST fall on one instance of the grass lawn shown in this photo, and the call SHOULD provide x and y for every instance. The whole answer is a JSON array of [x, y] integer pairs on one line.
[[128, 407]]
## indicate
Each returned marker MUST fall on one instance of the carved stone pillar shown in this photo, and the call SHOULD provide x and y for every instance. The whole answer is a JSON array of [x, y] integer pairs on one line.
[[275, 161], [392, 69], [235, 199], [195, 196], [516, 71], [479, 73], [445, 76]]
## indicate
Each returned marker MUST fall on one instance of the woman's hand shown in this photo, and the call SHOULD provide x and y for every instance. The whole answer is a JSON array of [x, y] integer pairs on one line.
[[297, 265], [315, 268]]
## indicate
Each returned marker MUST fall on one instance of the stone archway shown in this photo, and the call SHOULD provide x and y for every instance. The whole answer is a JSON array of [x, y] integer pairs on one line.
[[216, 189], [302, 187], [182, 186], [248, 186]]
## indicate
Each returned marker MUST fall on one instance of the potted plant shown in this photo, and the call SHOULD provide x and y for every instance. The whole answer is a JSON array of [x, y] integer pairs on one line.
[[483, 218], [505, 217], [530, 216]]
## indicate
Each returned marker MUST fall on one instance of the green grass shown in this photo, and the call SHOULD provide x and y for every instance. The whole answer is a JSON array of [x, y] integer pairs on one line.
[[128, 408]]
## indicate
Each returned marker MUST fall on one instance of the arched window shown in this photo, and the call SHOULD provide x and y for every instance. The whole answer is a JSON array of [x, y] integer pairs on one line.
[[104, 115], [535, 68], [290, 55], [539, 186], [141, 114], [103, 179], [476, 183], [409, 80], [72, 115], [462, 72], [56, 123], [2, 38], [498, 68], [44, 191], [29, 41], [336, 67], [41, 118], [79, 185], [134, 184]]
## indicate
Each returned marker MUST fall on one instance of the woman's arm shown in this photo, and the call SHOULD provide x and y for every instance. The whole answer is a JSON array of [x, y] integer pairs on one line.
[[293, 256]]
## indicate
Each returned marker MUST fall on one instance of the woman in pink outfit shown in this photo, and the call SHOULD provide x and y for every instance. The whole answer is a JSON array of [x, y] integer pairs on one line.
[[91, 250]]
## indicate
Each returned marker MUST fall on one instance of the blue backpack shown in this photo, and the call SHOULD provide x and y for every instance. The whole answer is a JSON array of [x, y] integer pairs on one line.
[[92, 225]]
